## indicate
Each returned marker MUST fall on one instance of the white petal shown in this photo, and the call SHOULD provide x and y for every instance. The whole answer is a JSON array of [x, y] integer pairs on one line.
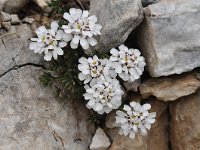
[[84, 43], [59, 51], [68, 17], [67, 37], [76, 39], [92, 41], [62, 44], [54, 26], [73, 45], [48, 56], [146, 107]]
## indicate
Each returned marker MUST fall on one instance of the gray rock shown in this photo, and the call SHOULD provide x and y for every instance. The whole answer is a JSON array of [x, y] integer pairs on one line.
[[31, 118], [28, 20], [13, 6], [100, 141], [185, 118], [15, 19], [170, 88], [118, 18], [148, 2], [5, 17], [6, 25], [2, 2], [170, 37], [14, 47], [132, 86], [43, 4]]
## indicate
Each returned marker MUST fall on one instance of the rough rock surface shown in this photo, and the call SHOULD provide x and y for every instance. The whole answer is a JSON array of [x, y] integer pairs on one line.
[[13, 6], [185, 118], [132, 86], [44, 5], [170, 88], [14, 48], [118, 18], [31, 118], [169, 37], [157, 138], [100, 140]]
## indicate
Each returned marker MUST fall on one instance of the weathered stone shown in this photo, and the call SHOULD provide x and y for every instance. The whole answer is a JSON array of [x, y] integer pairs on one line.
[[5, 17], [13, 6], [15, 19], [14, 47], [110, 120], [2, 2], [28, 20], [6, 25], [100, 141], [132, 86], [118, 19], [44, 5], [148, 2], [170, 88], [157, 138], [185, 128], [169, 37], [32, 119]]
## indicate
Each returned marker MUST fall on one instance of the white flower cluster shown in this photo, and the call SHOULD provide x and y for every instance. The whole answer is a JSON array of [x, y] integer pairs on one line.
[[127, 63], [50, 41], [104, 91], [135, 118], [80, 29]]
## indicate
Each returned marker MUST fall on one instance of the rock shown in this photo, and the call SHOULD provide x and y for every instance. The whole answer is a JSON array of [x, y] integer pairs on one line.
[[118, 19], [5, 17], [44, 5], [170, 88], [28, 20], [132, 86], [110, 120], [32, 118], [2, 2], [6, 25], [14, 47], [13, 6], [157, 138], [169, 37], [15, 19], [148, 2], [100, 141], [185, 118]]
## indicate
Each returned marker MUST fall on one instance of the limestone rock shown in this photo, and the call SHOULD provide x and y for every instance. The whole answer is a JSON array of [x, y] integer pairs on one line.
[[185, 118], [15, 19], [5, 17], [100, 141], [157, 138], [6, 25], [170, 88], [132, 86], [118, 19], [13, 6], [44, 5], [32, 118], [169, 37], [14, 47], [28, 20]]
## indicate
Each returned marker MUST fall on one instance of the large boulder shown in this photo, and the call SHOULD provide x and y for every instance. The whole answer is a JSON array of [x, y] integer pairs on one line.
[[118, 18], [32, 118], [171, 88], [169, 37], [14, 47], [185, 127]]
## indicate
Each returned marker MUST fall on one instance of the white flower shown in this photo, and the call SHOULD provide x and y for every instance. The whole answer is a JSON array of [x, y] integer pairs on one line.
[[135, 118], [82, 27], [103, 96], [50, 41], [95, 68], [127, 63]]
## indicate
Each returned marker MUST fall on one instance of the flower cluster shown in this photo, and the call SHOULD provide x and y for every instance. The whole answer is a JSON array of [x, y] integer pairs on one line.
[[135, 118], [80, 29], [128, 63], [50, 41], [103, 95], [103, 91]]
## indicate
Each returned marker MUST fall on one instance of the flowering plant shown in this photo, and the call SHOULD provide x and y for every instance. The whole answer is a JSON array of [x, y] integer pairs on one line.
[[99, 77]]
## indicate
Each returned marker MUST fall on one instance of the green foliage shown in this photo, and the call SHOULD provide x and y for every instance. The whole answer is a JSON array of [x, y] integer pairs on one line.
[[63, 73]]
